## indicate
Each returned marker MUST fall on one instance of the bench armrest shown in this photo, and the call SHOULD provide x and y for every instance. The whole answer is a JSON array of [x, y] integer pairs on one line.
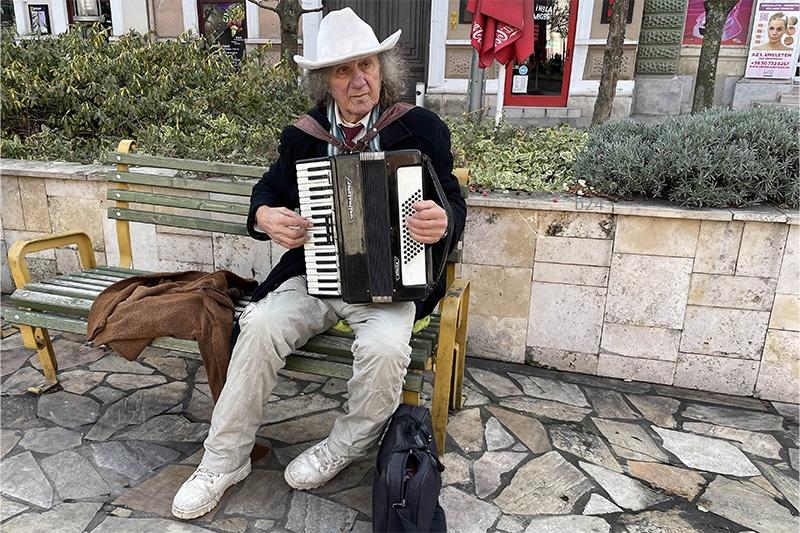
[[450, 352], [454, 310], [18, 263]]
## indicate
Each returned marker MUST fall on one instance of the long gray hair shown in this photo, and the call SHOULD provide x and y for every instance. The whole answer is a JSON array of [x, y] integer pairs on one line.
[[394, 71]]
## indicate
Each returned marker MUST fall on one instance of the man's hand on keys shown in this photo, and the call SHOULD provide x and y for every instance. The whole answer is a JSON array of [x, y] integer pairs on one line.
[[285, 227]]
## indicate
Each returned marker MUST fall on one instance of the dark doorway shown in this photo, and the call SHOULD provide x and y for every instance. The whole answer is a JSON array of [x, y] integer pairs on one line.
[[386, 17]]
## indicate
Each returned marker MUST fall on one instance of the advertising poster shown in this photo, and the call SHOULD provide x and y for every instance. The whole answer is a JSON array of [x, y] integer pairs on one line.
[[40, 19], [773, 44], [736, 27], [224, 23]]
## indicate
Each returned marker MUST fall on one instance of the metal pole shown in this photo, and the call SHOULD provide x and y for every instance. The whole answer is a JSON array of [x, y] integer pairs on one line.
[[475, 84]]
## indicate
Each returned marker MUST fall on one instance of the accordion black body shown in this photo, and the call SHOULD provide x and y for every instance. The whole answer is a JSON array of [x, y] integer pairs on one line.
[[360, 248]]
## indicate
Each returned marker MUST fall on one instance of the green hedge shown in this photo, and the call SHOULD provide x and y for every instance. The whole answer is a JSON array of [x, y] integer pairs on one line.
[[718, 158], [510, 157], [74, 97]]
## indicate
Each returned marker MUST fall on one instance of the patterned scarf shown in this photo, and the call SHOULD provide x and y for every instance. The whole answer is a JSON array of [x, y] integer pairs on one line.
[[336, 131]]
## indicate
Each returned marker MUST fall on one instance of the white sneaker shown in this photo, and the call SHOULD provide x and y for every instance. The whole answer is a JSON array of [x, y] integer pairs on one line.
[[202, 491], [314, 467]]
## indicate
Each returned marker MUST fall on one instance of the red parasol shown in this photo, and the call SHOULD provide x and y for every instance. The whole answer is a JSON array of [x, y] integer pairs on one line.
[[502, 30]]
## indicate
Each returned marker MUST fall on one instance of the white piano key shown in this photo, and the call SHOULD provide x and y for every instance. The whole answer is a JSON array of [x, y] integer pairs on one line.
[[313, 165], [322, 248], [303, 195]]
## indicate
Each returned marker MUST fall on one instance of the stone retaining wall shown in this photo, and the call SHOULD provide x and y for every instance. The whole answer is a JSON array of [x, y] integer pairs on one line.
[[704, 299]]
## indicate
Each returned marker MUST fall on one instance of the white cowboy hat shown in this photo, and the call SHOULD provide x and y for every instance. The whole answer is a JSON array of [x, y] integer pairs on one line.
[[344, 37]]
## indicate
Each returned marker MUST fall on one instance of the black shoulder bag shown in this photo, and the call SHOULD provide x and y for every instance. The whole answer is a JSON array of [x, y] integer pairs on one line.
[[405, 490]]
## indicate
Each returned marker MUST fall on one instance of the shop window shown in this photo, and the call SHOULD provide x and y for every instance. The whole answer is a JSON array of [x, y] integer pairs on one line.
[[464, 16], [39, 19], [7, 13], [89, 12]]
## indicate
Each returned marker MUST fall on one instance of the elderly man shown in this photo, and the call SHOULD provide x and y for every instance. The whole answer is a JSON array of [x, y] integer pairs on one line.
[[353, 80]]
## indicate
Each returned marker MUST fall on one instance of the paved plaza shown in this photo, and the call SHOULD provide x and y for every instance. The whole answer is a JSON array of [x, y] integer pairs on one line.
[[533, 450]]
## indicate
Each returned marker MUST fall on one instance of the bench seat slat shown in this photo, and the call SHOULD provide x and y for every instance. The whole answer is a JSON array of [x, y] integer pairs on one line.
[[72, 283], [103, 271], [99, 276], [340, 346], [57, 303], [121, 270], [61, 290], [178, 221], [294, 362], [182, 202], [417, 340], [67, 299], [83, 280], [192, 165], [313, 365]]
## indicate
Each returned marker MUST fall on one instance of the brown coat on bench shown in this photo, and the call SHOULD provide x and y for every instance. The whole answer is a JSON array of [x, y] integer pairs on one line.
[[129, 314]]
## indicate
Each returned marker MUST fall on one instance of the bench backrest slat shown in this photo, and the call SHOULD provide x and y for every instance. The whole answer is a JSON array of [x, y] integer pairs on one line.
[[179, 198], [177, 221], [139, 178], [192, 165], [183, 202]]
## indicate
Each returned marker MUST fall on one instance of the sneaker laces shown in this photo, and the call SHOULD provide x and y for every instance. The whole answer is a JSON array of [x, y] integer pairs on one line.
[[206, 477], [326, 460]]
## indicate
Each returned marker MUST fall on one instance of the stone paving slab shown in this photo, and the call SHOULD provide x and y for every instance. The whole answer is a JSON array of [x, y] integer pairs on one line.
[[534, 450]]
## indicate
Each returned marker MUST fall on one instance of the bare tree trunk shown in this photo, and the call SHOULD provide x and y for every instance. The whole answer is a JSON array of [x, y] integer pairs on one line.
[[289, 13], [612, 58], [716, 14]]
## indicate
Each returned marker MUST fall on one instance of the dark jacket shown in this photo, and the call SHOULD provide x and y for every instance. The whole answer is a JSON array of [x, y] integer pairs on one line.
[[418, 129]]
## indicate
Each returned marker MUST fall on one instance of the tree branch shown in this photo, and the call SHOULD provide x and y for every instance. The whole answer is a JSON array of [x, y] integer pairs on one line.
[[263, 5], [320, 8]]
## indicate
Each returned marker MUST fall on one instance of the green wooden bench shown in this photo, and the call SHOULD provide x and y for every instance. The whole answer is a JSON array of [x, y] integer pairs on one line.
[[62, 303]]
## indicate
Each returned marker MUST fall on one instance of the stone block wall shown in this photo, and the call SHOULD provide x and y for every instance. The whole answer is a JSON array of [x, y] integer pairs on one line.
[[703, 299]]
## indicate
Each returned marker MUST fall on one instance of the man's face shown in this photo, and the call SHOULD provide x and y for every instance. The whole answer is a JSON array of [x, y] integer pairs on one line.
[[356, 87]]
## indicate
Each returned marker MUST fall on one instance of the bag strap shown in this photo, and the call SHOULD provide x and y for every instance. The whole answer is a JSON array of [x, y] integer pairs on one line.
[[307, 124], [445, 204], [390, 115]]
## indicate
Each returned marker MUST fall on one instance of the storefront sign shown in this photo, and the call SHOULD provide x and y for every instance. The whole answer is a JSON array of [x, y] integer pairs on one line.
[[773, 44], [736, 26], [40, 19]]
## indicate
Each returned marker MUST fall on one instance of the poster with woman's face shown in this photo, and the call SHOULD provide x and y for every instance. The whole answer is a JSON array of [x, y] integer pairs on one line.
[[773, 45]]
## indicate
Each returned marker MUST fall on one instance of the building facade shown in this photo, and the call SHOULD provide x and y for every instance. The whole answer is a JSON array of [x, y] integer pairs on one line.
[[557, 83]]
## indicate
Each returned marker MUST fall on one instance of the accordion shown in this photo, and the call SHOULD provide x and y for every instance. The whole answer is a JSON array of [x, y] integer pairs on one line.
[[359, 247]]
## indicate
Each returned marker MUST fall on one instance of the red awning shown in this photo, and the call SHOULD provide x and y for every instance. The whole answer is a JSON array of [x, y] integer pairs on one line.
[[501, 30]]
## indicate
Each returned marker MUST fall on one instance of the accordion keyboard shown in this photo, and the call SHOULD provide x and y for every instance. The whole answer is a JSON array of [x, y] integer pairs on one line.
[[317, 205]]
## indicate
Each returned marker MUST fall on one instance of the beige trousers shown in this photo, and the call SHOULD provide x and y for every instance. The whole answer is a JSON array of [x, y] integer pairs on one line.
[[285, 320]]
